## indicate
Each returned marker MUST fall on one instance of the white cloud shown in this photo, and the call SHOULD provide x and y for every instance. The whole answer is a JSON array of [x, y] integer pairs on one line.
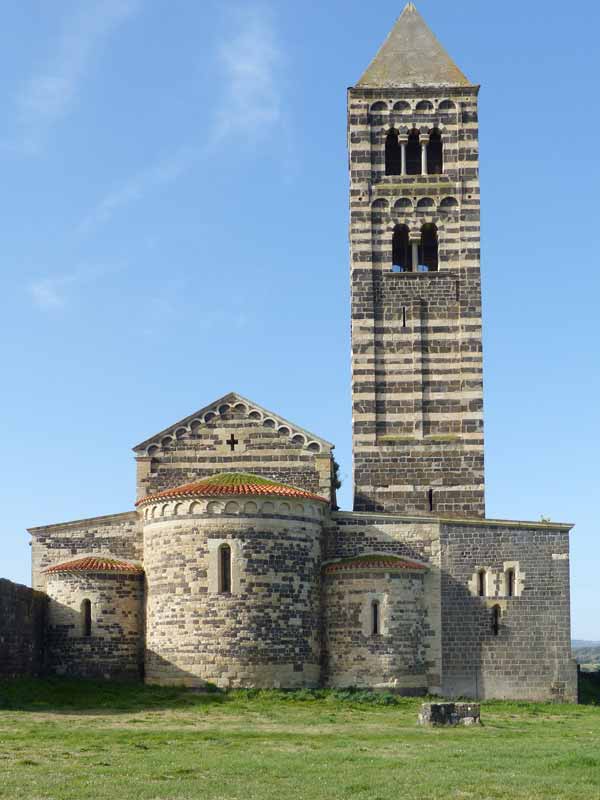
[[47, 96], [137, 186], [251, 105], [54, 292], [251, 61], [47, 293]]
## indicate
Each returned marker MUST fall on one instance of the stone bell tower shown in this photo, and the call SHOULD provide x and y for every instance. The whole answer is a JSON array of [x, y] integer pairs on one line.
[[415, 280]]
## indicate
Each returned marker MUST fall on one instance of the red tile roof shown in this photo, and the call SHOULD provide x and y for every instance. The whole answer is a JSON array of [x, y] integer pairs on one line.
[[96, 564], [232, 483], [374, 562]]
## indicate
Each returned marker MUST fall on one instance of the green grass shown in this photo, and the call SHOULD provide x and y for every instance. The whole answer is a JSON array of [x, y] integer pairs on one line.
[[68, 740]]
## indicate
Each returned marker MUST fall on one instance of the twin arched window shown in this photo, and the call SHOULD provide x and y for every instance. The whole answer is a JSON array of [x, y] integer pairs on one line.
[[413, 155], [415, 256]]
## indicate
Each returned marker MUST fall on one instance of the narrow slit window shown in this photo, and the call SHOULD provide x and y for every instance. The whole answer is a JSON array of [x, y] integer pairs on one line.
[[86, 617], [510, 583], [430, 499], [481, 583], [225, 569], [404, 316], [495, 620], [375, 618]]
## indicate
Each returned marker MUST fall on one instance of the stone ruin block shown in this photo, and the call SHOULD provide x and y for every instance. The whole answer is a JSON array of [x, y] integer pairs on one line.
[[452, 714]]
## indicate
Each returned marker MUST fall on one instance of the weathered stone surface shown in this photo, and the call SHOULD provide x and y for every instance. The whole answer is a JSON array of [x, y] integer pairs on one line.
[[233, 434], [22, 622], [115, 535], [265, 631], [114, 646], [452, 714]]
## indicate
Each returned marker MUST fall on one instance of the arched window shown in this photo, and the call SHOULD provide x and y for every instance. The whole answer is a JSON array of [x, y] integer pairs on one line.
[[375, 618], [401, 250], [481, 581], [495, 620], [428, 251], [225, 569], [413, 154], [379, 107], [393, 154], [510, 582], [435, 153], [86, 617]]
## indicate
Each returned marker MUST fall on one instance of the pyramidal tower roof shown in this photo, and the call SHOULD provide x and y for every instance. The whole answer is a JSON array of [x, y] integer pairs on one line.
[[412, 56]]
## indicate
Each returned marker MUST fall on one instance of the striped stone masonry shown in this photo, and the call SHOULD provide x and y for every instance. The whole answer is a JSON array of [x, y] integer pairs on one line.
[[416, 336]]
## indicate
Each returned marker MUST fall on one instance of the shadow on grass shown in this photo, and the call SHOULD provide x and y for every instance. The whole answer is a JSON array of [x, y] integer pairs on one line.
[[64, 696], [69, 696]]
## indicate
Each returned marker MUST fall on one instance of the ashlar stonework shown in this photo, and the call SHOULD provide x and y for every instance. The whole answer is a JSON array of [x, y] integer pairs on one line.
[[236, 567]]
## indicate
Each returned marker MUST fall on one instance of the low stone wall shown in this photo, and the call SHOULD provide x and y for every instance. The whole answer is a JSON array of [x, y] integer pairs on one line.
[[436, 714], [22, 615]]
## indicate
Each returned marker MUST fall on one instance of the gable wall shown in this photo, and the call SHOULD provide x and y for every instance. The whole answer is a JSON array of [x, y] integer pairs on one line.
[[117, 535], [199, 449]]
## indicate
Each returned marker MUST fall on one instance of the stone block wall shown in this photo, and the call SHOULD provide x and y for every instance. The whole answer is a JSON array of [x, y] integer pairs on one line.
[[22, 620], [116, 535], [415, 637], [416, 337], [395, 656], [114, 648], [527, 654], [234, 437], [265, 631]]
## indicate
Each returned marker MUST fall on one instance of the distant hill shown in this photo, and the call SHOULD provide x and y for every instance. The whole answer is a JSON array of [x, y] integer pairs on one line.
[[586, 652]]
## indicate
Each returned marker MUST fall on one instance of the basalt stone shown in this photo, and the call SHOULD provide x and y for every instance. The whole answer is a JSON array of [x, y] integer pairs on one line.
[[450, 714]]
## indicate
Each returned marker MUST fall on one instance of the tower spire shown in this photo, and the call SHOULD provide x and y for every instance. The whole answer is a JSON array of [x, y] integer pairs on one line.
[[412, 56]]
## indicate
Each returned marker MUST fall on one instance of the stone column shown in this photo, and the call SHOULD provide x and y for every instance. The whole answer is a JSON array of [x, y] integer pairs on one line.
[[424, 142], [415, 242], [403, 141]]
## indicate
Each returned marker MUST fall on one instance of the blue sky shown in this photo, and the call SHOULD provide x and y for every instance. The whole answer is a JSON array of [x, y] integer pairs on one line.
[[174, 204]]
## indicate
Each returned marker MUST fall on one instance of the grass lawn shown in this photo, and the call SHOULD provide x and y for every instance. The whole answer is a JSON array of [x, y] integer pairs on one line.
[[67, 740]]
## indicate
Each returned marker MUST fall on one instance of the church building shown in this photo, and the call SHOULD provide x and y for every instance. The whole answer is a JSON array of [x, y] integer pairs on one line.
[[236, 568]]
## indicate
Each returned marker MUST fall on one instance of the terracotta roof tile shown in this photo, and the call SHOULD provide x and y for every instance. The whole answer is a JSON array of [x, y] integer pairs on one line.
[[96, 564], [232, 483], [373, 562]]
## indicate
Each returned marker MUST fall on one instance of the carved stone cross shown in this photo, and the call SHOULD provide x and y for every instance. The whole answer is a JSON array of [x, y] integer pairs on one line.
[[232, 441]]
